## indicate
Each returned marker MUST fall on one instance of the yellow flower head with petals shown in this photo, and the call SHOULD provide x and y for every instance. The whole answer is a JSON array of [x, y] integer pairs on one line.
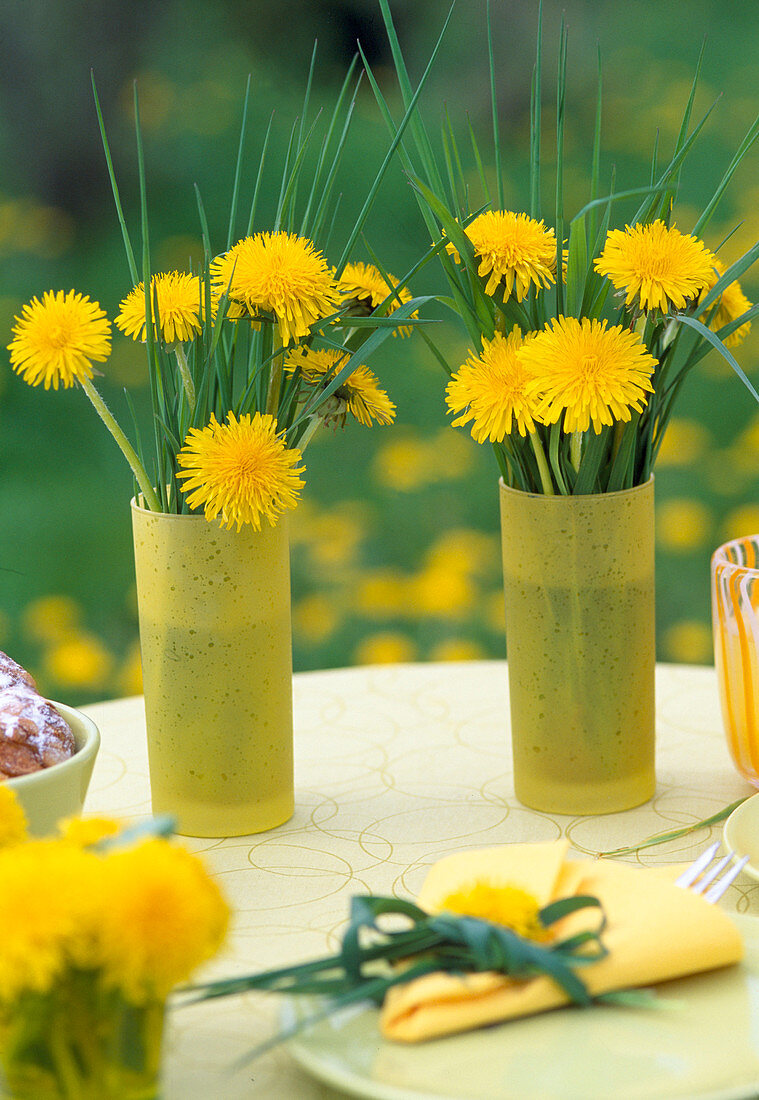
[[657, 266], [507, 905], [56, 340], [240, 471], [591, 373], [86, 831], [165, 916], [359, 394], [731, 304], [176, 298], [12, 818], [491, 390], [514, 251], [280, 274], [365, 283]]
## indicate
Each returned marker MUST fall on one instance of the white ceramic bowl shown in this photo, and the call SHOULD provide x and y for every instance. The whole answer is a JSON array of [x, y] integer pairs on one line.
[[59, 791]]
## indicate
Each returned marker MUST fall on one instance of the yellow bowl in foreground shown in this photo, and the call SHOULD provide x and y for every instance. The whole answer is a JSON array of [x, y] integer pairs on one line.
[[56, 792]]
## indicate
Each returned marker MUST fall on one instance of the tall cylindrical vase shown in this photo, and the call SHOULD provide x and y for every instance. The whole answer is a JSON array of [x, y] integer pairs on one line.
[[580, 644], [215, 637]]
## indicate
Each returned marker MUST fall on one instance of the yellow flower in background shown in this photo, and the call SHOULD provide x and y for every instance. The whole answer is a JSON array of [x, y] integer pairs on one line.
[[466, 549], [165, 916], [360, 394], [684, 441], [590, 372], [688, 642], [51, 618], [176, 297], [731, 304], [80, 661], [130, 675], [382, 593], [12, 818], [442, 592], [240, 471], [491, 390], [656, 265], [365, 283], [315, 618], [386, 648], [458, 649], [278, 273], [739, 522], [514, 250], [56, 340], [506, 905], [683, 525]]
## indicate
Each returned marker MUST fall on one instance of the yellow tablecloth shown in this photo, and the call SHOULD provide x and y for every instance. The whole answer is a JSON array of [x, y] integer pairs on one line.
[[396, 766]]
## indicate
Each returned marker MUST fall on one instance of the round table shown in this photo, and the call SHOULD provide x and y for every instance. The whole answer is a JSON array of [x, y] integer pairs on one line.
[[395, 766]]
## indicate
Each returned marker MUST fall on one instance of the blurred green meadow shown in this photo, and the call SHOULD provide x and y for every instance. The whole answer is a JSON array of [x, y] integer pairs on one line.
[[395, 548]]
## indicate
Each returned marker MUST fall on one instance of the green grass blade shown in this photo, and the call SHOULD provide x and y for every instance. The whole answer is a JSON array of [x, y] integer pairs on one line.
[[238, 166], [480, 168], [561, 85], [675, 834], [316, 186], [114, 187], [746, 144], [595, 176], [535, 97], [259, 175], [494, 111], [716, 343]]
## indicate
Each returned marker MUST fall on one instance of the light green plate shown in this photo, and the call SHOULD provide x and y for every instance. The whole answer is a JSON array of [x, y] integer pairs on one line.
[[741, 834], [703, 1045]]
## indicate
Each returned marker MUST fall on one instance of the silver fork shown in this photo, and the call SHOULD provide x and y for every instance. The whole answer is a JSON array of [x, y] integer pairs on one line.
[[699, 875]]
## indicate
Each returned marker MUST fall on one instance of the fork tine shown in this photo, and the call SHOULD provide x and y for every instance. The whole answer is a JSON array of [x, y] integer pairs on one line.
[[715, 892], [711, 873], [691, 873]]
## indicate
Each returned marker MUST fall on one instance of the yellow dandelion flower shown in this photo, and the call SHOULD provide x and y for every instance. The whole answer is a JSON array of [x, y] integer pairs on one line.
[[165, 916], [458, 649], [48, 902], [178, 298], [385, 648], [592, 373], [683, 524], [51, 618], [56, 340], [12, 818], [688, 642], [364, 283], [86, 831], [240, 470], [278, 273], [731, 304], [507, 905], [359, 394], [512, 249], [491, 390], [656, 265]]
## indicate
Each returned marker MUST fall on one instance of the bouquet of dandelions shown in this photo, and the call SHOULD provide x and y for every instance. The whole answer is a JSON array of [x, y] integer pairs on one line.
[[248, 356], [99, 924], [582, 334]]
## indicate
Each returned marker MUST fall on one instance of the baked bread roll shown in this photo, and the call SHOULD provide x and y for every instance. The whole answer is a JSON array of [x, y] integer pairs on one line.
[[32, 733]]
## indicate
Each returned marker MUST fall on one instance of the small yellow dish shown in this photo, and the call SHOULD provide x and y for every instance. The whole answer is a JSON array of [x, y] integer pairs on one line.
[[741, 834], [59, 791]]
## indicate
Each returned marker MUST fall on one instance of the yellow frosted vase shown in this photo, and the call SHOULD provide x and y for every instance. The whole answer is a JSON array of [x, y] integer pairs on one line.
[[215, 637], [579, 591]]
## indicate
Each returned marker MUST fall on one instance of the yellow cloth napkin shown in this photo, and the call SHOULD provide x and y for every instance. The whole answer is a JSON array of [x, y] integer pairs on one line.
[[655, 931]]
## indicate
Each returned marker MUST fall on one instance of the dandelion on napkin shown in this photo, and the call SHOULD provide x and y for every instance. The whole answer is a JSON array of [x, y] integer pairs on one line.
[[655, 931]]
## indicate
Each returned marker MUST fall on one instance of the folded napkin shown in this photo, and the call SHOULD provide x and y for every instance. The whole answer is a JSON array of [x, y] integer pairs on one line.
[[655, 931]]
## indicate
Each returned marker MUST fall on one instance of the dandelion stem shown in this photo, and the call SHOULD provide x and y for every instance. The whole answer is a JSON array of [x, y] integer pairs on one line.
[[543, 467], [184, 370], [123, 443]]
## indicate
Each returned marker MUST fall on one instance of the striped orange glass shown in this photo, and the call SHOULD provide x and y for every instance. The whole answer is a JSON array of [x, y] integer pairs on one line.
[[735, 620]]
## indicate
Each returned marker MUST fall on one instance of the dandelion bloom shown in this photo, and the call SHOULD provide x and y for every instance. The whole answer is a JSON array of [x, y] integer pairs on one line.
[[56, 340], [513, 249], [655, 265], [165, 916], [507, 905], [490, 390], [176, 297], [277, 273], [731, 304], [240, 470], [592, 373], [359, 394], [365, 283], [12, 817]]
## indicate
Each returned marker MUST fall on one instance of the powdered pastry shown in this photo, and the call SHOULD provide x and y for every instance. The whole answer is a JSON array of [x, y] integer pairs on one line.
[[32, 733]]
